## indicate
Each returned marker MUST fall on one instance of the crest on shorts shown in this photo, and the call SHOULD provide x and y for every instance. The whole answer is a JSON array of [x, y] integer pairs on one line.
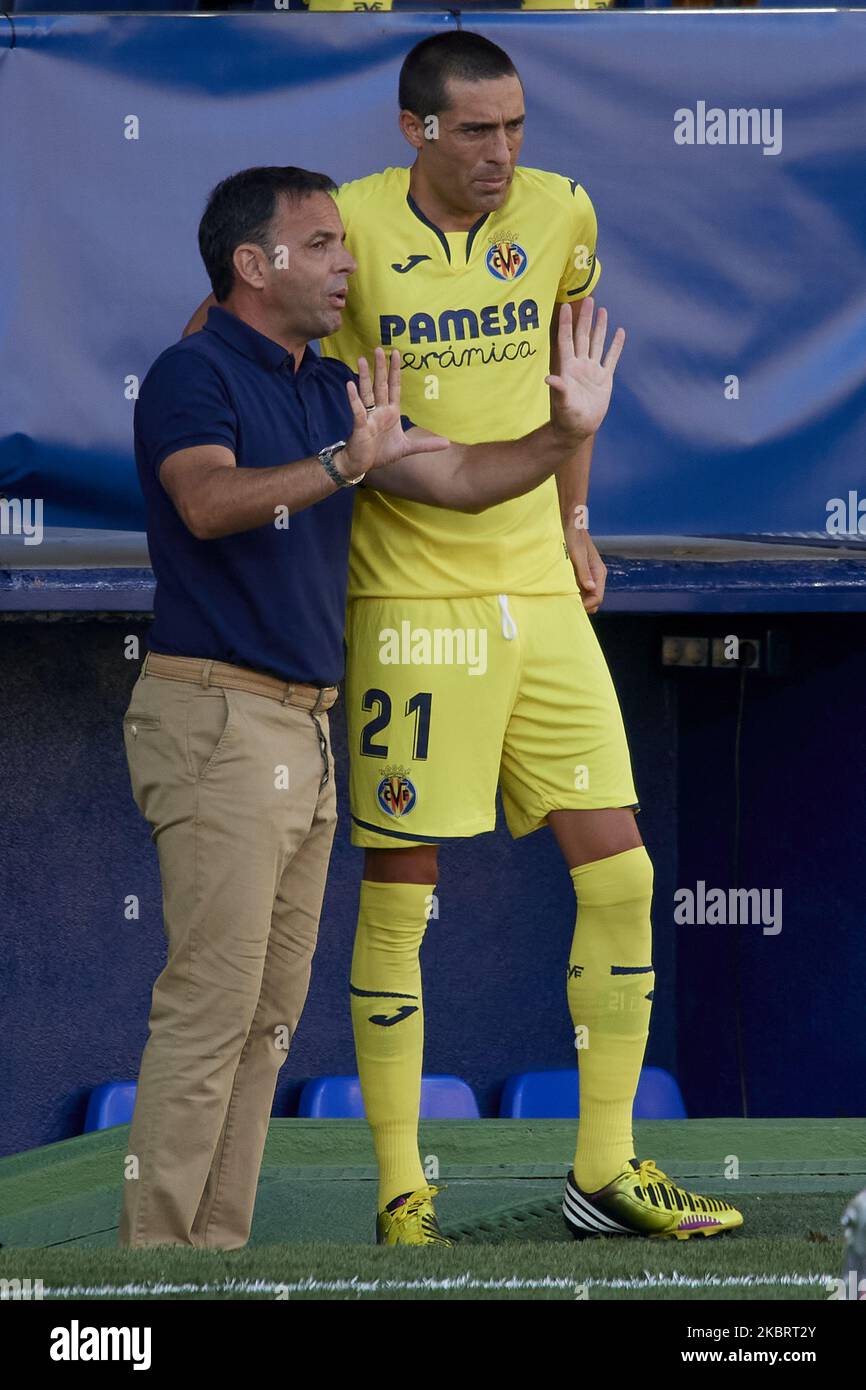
[[396, 793]]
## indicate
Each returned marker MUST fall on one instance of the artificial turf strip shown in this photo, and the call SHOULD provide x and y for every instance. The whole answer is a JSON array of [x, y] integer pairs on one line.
[[812, 1218], [685, 1147], [503, 1183]]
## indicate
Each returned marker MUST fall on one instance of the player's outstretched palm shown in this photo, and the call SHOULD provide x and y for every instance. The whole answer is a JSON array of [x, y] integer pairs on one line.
[[378, 436], [580, 393]]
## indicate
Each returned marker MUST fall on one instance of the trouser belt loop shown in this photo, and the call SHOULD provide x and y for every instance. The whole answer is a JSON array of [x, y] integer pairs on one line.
[[319, 698], [205, 675], [287, 698], [144, 664]]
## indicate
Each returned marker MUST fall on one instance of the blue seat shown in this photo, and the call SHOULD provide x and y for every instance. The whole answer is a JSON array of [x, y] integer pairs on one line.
[[109, 1105], [553, 1095], [339, 1098]]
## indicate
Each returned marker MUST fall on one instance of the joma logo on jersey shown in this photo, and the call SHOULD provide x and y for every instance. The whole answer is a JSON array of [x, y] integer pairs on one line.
[[454, 325], [505, 260]]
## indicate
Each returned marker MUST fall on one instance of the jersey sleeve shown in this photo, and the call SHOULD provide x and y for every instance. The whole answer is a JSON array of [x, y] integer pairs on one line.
[[582, 267], [183, 402]]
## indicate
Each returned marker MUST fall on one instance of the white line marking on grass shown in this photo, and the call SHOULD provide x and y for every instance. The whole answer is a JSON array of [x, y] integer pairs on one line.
[[461, 1282]]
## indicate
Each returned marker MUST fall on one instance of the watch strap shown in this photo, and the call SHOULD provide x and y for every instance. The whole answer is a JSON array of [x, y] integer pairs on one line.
[[326, 459]]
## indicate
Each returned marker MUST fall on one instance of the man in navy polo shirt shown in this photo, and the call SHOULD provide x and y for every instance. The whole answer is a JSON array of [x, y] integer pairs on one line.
[[247, 447]]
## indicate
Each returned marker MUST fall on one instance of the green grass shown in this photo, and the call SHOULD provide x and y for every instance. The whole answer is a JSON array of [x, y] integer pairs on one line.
[[502, 1182], [381, 1273]]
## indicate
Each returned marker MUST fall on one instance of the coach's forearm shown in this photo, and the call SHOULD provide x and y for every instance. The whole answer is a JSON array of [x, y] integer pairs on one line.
[[491, 473], [239, 499]]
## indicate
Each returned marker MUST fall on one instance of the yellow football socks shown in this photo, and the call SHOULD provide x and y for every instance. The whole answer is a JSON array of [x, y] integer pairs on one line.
[[610, 988], [388, 1022]]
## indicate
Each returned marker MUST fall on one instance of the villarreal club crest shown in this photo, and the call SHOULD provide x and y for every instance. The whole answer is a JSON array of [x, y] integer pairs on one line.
[[395, 793], [506, 260]]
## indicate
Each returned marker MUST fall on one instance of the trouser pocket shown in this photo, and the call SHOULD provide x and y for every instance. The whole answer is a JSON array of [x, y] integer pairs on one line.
[[211, 720]]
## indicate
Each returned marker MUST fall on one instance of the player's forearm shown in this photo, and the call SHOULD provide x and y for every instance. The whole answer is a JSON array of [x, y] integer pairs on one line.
[[199, 317], [572, 480], [239, 499]]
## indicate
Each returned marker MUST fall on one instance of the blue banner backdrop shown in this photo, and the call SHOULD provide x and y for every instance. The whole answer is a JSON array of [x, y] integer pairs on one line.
[[737, 267]]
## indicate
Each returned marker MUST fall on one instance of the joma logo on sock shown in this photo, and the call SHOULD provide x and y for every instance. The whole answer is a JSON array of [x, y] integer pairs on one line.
[[719, 907], [388, 1020]]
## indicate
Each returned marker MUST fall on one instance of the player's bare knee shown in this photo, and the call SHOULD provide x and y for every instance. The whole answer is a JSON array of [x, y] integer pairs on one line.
[[585, 837], [415, 864]]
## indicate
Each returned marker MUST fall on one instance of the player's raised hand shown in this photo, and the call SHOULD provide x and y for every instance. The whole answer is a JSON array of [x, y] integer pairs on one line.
[[580, 393], [378, 436]]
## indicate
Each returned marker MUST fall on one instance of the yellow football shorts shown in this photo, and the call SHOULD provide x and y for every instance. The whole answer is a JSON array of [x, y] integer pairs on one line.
[[447, 697]]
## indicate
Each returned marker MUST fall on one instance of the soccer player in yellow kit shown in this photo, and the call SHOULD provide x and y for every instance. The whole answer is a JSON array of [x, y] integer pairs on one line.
[[379, 5], [471, 657]]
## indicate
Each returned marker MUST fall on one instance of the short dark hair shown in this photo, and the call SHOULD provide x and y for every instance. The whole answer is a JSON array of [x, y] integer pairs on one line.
[[433, 61], [241, 209]]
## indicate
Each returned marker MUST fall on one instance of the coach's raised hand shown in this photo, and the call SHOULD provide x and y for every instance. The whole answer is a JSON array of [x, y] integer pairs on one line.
[[580, 393], [378, 437]]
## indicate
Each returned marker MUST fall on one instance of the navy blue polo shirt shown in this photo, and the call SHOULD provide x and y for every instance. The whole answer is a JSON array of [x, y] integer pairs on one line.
[[270, 599]]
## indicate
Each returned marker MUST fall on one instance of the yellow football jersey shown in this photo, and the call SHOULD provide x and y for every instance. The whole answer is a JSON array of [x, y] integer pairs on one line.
[[525, 5], [349, 4], [470, 313], [566, 4]]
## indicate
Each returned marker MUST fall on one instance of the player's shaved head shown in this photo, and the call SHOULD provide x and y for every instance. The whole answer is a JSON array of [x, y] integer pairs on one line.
[[434, 62]]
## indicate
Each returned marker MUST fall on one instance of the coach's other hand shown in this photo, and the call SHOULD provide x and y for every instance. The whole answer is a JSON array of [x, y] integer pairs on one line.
[[580, 394], [378, 436]]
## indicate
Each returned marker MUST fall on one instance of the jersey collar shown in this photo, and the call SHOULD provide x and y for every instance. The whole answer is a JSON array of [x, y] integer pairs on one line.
[[470, 235]]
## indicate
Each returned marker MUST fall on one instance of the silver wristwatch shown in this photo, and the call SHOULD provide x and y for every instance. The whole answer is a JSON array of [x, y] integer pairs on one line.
[[326, 459]]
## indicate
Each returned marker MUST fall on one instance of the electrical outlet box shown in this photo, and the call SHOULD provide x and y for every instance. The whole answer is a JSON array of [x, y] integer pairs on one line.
[[734, 652], [685, 651]]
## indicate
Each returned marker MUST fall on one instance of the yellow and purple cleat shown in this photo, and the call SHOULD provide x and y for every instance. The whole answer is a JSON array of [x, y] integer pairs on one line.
[[411, 1220], [642, 1201]]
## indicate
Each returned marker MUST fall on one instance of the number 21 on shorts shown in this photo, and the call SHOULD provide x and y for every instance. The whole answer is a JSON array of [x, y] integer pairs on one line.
[[418, 707]]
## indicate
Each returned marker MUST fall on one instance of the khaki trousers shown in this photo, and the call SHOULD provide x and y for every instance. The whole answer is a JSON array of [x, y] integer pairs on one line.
[[239, 790]]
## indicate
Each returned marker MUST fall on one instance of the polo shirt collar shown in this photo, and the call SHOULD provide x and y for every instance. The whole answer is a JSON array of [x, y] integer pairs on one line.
[[246, 339]]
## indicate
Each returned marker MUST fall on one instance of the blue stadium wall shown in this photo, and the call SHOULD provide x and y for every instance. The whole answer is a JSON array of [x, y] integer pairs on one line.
[[718, 261]]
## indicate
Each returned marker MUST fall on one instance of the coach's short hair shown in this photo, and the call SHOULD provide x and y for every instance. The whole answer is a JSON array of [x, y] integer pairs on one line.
[[241, 209], [433, 61]]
